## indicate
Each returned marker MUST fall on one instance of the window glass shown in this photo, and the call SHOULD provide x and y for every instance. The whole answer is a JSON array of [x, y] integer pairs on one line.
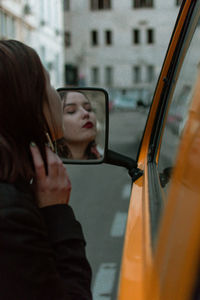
[[150, 36], [178, 2], [13, 27], [100, 4], [95, 75], [136, 36], [1, 24], [42, 8], [10, 27], [150, 73], [43, 55], [71, 74], [179, 109], [142, 3], [66, 4], [4, 24], [94, 38], [108, 37], [57, 68], [109, 76], [67, 39], [137, 74]]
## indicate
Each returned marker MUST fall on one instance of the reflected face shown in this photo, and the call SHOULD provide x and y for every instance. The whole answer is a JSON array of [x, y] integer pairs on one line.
[[54, 116], [79, 118]]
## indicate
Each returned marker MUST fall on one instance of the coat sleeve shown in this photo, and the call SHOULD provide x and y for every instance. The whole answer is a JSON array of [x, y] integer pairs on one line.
[[68, 242], [42, 252]]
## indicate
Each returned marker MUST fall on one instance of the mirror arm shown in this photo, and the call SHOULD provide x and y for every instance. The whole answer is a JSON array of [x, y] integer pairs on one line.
[[117, 159], [165, 176]]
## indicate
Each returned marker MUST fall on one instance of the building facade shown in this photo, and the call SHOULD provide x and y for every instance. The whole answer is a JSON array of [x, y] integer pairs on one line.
[[16, 22], [48, 38], [40, 25], [118, 45]]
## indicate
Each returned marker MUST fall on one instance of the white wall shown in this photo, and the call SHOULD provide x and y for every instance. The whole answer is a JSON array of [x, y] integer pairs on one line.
[[122, 55], [46, 38]]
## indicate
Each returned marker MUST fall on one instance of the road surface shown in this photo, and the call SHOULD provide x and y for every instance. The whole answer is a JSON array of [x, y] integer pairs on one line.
[[100, 198]]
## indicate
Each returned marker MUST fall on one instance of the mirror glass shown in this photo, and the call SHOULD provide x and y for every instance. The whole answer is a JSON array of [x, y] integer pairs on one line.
[[85, 125]]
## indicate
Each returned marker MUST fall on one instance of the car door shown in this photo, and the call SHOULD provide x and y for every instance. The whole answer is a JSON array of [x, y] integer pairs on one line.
[[160, 256]]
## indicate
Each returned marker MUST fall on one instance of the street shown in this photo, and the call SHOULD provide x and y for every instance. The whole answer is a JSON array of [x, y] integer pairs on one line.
[[100, 198]]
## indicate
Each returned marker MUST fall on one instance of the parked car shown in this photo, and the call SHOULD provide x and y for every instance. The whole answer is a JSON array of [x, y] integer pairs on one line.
[[124, 103], [161, 248]]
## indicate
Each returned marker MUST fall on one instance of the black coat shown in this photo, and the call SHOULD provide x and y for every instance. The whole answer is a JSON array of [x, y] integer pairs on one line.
[[42, 251]]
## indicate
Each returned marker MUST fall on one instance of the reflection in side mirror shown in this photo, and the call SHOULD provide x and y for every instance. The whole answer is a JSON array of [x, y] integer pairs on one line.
[[85, 119]]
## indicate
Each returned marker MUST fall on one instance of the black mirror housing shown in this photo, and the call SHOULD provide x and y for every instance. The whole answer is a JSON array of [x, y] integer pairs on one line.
[[86, 125]]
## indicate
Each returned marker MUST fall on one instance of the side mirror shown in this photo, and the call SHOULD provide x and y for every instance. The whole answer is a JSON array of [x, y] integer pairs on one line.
[[85, 119]]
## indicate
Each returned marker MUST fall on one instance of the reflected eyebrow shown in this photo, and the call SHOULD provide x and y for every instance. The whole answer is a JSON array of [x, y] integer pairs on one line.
[[69, 104], [74, 104]]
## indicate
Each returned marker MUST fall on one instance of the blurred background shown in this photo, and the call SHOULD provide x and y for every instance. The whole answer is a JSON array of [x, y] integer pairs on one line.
[[116, 45]]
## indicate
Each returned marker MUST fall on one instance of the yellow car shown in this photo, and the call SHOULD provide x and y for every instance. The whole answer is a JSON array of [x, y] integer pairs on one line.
[[161, 250], [162, 243]]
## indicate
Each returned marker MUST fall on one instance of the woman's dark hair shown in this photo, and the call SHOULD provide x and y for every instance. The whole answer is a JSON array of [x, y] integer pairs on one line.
[[22, 121], [63, 149]]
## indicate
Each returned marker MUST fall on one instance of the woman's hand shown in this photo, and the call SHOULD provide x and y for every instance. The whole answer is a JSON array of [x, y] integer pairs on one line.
[[54, 188]]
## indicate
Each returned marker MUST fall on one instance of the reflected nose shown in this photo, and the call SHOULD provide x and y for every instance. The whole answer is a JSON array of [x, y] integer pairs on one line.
[[85, 114]]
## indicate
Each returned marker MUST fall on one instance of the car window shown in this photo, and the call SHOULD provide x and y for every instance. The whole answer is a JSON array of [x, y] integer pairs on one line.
[[179, 110]]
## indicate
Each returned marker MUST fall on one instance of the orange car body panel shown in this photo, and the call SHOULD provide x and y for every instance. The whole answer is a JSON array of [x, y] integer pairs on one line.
[[167, 273]]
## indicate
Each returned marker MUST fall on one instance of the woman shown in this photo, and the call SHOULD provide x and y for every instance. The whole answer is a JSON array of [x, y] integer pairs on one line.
[[42, 248], [79, 127]]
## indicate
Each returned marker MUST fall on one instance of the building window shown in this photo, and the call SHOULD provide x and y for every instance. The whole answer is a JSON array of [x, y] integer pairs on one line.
[[13, 27], [43, 55], [95, 75], [109, 76], [100, 4], [66, 4], [3, 24], [42, 13], [136, 36], [150, 36], [143, 3], [68, 41], [10, 27], [108, 37], [178, 2], [150, 73], [71, 74], [57, 68], [137, 74], [94, 38]]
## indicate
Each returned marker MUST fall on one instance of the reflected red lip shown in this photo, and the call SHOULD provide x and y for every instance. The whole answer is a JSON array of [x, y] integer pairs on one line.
[[88, 125]]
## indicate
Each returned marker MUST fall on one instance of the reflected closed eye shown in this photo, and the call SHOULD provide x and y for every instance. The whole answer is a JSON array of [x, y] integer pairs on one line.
[[69, 111]]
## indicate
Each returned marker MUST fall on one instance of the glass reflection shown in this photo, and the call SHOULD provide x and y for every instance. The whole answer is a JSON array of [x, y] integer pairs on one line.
[[84, 125], [180, 109]]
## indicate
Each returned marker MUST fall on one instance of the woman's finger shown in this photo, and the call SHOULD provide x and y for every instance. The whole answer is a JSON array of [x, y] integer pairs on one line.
[[38, 161], [67, 183], [64, 177], [53, 164]]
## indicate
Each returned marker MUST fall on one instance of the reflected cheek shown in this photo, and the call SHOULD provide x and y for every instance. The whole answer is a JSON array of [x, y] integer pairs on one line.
[[94, 120], [70, 127], [92, 117]]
